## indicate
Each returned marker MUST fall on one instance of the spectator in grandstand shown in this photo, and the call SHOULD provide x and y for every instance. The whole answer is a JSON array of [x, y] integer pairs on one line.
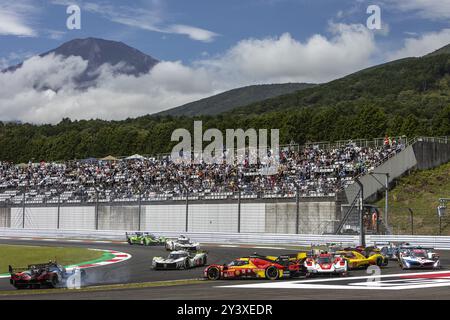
[[316, 171]]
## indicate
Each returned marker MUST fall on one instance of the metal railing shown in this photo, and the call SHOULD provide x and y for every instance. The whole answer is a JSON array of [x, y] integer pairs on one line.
[[438, 242]]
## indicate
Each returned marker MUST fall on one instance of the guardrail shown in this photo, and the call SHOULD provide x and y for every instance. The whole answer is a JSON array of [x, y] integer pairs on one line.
[[440, 242]]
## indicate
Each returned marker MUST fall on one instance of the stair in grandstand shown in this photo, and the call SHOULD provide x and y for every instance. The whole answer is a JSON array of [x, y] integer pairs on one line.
[[420, 153]]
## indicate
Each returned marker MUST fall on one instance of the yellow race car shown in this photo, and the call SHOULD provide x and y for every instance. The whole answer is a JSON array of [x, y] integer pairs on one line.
[[356, 260], [300, 256]]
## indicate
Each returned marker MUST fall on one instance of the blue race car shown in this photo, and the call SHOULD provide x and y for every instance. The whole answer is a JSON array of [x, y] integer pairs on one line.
[[418, 258]]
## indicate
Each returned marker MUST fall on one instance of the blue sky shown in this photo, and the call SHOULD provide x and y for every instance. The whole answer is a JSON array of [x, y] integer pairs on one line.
[[206, 47], [231, 20]]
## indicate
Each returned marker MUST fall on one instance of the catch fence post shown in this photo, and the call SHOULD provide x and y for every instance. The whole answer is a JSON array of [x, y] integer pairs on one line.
[[187, 210], [59, 211], [140, 208], [297, 209], [23, 209], [239, 210], [96, 209]]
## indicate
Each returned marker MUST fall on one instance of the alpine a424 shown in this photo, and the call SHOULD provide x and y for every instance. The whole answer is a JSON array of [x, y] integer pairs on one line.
[[256, 266], [50, 275], [180, 260], [326, 264]]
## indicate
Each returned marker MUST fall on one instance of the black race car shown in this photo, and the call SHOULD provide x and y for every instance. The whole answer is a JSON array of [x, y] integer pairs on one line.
[[50, 275]]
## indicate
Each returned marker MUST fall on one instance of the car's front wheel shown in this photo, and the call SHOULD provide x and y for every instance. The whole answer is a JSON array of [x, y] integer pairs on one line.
[[213, 273]]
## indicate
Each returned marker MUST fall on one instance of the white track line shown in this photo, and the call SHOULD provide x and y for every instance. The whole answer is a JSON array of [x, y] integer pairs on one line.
[[368, 284]]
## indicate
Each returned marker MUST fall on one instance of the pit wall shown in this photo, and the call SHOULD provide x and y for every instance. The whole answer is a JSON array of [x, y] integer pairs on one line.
[[315, 217]]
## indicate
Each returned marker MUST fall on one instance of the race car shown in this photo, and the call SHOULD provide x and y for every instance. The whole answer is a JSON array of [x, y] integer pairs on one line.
[[255, 267], [182, 243], [390, 249], [418, 258], [326, 264], [50, 275], [293, 257], [356, 260], [144, 238], [180, 260]]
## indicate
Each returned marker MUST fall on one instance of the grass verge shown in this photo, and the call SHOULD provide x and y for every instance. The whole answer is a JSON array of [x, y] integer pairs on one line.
[[22, 256], [420, 191]]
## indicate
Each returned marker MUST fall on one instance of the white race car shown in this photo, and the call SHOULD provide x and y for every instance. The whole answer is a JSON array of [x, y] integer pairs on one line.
[[182, 243], [325, 263], [418, 258], [180, 260]]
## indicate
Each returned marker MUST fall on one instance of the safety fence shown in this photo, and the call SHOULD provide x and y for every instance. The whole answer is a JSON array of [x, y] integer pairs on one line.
[[440, 242]]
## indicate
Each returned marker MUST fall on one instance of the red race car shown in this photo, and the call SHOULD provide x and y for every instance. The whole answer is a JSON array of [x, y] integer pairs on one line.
[[49, 275], [256, 266]]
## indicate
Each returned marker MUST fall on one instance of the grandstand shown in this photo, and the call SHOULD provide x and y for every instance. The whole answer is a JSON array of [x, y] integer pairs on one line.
[[317, 171], [312, 192]]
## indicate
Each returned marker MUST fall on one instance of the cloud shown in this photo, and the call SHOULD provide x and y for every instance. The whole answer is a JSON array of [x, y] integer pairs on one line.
[[422, 45], [14, 58], [429, 9], [193, 32], [172, 83], [285, 59], [151, 18], [14, 20]]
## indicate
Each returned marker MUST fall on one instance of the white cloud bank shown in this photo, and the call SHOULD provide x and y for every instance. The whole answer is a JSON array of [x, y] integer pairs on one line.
[[170, 84], [422, 45]]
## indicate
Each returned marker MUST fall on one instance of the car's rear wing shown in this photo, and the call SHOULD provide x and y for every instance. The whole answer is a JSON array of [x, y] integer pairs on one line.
[[131, 234], [40, 266], [382, 243], [14, 270]]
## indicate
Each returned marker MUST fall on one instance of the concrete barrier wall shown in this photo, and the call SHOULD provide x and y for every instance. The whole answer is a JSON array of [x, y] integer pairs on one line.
[[253, 217], [159, 217], [213, 217], [5, 217], [118, 217], [256, 217], [318, 217], [82, 218], [430, 155]]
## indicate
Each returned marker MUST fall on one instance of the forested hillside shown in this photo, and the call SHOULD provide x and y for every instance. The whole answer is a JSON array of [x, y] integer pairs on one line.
[[407, 97]]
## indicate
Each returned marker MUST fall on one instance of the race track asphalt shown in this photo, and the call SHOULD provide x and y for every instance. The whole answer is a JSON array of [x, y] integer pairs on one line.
[[137, 270]]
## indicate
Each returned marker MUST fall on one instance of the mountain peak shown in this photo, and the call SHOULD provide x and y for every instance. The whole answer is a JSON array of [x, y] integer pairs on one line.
[[100, 51]]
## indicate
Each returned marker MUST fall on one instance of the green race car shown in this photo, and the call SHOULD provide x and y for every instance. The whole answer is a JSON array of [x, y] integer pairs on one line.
[[145, 239]]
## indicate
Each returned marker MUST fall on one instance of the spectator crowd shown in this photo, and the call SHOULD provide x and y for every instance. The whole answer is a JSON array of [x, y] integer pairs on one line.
[[313, 170]]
